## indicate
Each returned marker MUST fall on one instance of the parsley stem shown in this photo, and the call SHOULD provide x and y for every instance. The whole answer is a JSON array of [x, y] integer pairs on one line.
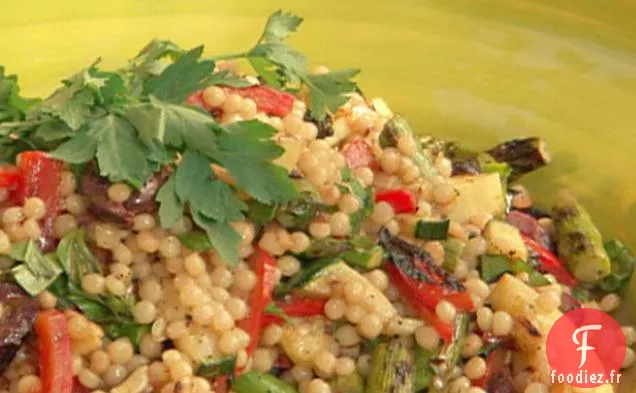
[[231, 56]]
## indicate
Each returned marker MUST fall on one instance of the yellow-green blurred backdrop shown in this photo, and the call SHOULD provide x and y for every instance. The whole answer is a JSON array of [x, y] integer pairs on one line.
[[477, 70]]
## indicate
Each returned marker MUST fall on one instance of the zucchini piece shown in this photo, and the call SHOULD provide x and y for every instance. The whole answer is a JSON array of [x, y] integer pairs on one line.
[[303, 340], [369, 259], [329, 277], [352, 383], [392, 369], [432, 230], [531, 325], [505, 239], [453, 249], [477, 194], [306, 275]]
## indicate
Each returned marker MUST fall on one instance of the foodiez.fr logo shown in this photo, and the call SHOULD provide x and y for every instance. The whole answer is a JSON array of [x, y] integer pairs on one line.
[[586, 348]]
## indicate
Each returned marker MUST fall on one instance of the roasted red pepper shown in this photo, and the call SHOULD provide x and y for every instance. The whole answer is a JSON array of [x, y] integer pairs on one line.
[[549, 263], [401, 200], [497, 376], [196, 99], [56, 358], [220, 384], [43, 179], [419, 299], [12, 179], [358, 154], [267, 99], [296, 308], [264, 266]]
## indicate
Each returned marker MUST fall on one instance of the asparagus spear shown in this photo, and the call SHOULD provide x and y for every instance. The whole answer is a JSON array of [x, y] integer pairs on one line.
[[350, 383], [392, 369], [423, 370], [523, 155], [449, 355], [397, 128], [579, 242]]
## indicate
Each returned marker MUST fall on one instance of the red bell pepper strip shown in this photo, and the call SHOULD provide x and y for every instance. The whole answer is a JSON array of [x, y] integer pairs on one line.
[[418, 300], [401, 200], [43, 179], [304, 307], [267, 99], [264, 266], [219, 384], [12, 179], [461, 300], [56, 358], [549, 263], [496, 371], [196, 99], [430, 294], [358, 154]]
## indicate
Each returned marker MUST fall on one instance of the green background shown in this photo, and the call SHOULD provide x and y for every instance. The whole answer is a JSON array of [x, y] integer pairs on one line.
[[475, 70], [479, 71]]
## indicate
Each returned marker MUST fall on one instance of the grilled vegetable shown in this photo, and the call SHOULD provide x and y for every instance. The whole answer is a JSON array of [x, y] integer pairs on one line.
[[302, 341], [532, 326], [56, 358], [477, 194], [494, 266], [392, 369], [522, 155], [351, 383], [423, 370], [579, 242], [432, 230], [302, 279], [255, 382], [19, 310], [453, 249], [367, 259], [449, 355], [327, 279], [401, 200], [397, 128], [504, 239]]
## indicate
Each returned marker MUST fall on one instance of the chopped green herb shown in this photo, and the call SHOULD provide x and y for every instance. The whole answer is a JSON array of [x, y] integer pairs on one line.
[[195, 241], [273, 309], [365, 197], [37, 271], [494, 266], [260, 213], [622, 266], [216, 368]]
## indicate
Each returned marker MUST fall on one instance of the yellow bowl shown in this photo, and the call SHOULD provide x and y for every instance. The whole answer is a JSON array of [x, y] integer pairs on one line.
[[473, 70]]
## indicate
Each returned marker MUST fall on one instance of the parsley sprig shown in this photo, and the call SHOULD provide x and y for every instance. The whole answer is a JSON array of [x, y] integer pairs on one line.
[[284, 67]]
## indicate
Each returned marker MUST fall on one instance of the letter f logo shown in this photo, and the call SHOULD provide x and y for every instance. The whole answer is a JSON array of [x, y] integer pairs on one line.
[[583, 344]]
